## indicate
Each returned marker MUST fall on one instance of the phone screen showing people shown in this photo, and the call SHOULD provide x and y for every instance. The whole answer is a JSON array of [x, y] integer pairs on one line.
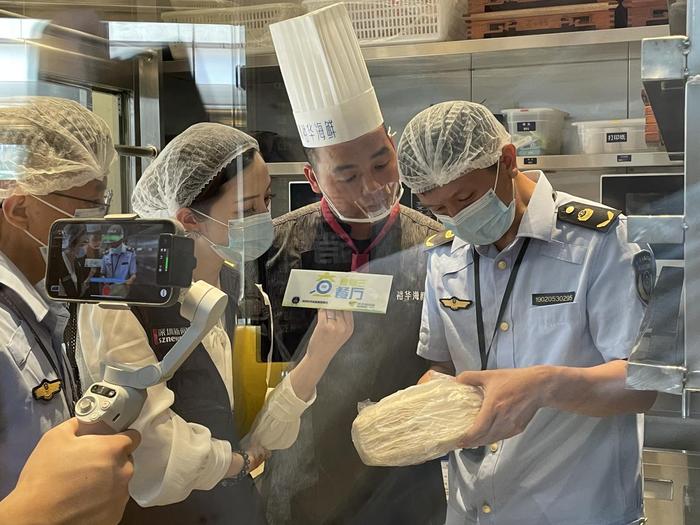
[[100, 260]]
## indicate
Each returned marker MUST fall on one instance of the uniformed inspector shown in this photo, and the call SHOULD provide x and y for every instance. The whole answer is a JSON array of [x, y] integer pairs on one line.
[[537, 297], [358, 225], [57, 155], [119, 263]]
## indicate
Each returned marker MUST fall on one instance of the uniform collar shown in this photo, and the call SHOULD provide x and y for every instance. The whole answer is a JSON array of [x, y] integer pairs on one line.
[[11, 277], [539, 218]]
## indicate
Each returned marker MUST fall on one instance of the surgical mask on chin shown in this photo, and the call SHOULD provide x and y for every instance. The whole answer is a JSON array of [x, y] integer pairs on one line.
[[248, 237], [374, 207], [484, 221]]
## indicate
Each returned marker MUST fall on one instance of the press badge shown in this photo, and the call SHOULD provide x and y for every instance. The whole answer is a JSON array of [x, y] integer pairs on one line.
[[349, 291]]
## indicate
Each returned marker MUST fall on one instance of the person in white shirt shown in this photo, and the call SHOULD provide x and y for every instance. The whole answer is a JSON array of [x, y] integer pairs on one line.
[[213, 181]]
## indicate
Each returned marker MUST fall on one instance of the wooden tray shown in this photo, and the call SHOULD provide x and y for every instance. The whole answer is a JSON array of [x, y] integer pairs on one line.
[[494, 6], [583, 17]]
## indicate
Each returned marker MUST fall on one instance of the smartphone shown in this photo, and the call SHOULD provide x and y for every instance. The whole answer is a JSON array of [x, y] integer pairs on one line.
[[103, 260]]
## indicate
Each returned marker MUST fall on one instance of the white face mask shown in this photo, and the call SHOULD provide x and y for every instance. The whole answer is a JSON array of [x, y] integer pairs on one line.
[[248, 238], [90, 213], [485, 221], [118, 249]]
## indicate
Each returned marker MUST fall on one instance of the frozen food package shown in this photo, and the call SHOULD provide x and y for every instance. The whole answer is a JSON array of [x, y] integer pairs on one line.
[[417, 424]]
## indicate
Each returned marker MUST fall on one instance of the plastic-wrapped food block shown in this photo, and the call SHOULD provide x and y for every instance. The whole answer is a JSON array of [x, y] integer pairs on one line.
[[417, 424]]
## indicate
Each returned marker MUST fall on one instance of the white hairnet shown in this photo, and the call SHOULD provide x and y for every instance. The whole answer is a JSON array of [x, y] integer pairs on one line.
[[446, 141], [50, 144], [185, 166]]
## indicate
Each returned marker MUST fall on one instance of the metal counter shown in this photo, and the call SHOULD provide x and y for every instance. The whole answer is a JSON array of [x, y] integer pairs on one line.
[[671, 493]]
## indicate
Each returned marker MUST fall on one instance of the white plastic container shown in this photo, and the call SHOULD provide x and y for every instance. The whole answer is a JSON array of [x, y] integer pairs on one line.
[[611, 136], [256, 19], [536, 131], [402, 21]]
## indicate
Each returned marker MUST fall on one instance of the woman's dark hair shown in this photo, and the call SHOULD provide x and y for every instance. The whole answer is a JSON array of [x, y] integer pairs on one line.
[[211, 191], [75, 233]]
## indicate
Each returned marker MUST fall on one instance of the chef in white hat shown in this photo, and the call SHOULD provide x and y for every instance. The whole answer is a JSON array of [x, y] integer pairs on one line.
[[358, 225], [352, 159]]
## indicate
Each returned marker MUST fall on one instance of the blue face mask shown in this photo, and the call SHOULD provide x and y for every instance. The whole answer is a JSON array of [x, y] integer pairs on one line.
[[484, 221], [248, 238]]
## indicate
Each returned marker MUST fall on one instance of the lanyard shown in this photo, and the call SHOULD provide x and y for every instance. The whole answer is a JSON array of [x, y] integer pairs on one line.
[[114, 267], [483, 351], [359, 258]]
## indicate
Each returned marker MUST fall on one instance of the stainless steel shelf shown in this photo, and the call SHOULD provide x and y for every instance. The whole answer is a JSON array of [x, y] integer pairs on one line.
[[547, 163], [495, 45], [591, 162], [664, 75]]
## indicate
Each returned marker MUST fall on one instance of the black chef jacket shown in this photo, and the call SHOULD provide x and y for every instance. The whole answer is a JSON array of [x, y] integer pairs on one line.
[[321, 479]]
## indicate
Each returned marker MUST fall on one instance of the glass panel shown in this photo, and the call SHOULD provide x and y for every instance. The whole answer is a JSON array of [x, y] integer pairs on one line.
[[494, 191]]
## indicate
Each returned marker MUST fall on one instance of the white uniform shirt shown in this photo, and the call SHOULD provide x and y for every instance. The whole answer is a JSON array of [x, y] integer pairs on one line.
[[565, 468], [175, 457]]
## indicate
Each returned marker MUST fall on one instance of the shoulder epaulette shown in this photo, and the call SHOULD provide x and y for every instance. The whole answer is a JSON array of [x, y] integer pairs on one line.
[[439, 239], [589, 216]]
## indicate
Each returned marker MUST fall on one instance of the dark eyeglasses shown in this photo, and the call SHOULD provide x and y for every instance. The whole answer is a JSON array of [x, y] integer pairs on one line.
[[105, 203]]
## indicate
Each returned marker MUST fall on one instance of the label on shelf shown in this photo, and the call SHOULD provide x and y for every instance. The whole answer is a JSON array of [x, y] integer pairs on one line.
[[624, 158], [530, 161], [616, 138], [526, 126]]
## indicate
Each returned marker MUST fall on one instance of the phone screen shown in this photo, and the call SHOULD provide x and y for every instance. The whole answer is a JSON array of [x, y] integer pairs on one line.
[[100, 261]]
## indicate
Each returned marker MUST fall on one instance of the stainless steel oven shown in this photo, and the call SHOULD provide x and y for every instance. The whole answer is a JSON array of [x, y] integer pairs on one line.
[[647, 194]]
